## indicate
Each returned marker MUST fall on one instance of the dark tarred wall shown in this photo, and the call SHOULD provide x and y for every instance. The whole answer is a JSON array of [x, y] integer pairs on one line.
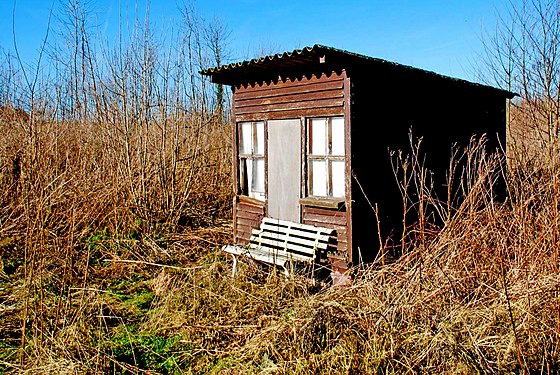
[[385, 105]]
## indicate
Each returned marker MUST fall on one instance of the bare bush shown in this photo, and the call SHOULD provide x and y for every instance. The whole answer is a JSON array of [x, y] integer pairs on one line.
[[521, 55], [121, 142]]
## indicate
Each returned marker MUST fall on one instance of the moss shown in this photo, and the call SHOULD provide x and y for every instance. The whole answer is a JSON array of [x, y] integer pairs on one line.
[[148, 350]]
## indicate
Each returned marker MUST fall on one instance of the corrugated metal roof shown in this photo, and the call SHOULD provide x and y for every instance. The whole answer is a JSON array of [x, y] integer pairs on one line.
[[307, 59]]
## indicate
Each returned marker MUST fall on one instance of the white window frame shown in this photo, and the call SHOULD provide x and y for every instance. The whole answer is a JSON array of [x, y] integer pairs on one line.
[[328, 158], [251, 156]]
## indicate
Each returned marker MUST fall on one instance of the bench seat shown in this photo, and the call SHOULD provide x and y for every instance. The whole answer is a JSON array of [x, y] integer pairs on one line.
[[284, 243]]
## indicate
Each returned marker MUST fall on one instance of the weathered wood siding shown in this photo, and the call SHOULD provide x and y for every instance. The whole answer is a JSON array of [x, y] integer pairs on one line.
[[330, 218], [248, 216], [292, 98]]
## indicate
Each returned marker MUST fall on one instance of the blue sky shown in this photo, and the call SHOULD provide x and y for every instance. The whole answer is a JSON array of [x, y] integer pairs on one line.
[[438, 35]]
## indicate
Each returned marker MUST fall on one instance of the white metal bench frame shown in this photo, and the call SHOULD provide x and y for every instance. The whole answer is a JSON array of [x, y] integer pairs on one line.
[[284, 243]]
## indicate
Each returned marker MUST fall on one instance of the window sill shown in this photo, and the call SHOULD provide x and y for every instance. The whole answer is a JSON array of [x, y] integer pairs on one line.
[[323, 202], [248, 199]]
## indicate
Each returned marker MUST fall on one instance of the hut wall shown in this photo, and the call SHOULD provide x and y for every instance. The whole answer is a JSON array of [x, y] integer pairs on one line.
[[294, 97], [248, 216], [336, 219], [442, 112], [290, 98]]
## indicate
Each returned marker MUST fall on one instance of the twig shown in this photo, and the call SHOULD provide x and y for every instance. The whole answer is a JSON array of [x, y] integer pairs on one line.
[[9, 364], [151, 264], [520, 357]]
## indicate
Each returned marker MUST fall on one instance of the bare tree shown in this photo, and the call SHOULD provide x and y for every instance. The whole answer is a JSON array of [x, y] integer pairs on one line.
[[216, 35], [522, 55]]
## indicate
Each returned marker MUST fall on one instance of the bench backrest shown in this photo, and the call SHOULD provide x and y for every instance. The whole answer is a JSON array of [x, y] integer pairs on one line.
[[302, 241]]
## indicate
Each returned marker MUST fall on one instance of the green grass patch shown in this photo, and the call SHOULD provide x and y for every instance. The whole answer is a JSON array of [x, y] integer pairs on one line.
[[148, 351]]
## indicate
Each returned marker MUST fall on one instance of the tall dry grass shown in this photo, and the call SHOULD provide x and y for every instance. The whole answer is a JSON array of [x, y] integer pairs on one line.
[[106, 152], [91, 285], [480, 296]]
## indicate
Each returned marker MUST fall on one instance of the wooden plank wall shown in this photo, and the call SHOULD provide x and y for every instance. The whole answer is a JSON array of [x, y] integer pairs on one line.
[[248, 216], [291, 98], [294, 98], [330, 218]]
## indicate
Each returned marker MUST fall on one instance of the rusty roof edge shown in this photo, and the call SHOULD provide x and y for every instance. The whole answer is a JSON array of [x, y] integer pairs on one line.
[[259, 60], [318, 48], [507, 93]]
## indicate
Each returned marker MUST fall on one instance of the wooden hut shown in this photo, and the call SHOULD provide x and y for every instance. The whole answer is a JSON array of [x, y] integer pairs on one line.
[[312, 132]]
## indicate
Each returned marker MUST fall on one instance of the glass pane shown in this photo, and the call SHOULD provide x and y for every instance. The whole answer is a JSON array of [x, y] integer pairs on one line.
[[338, 178], [319, 182], [258, 175], [243, 182], [338, 136], [246, 138], [259, 149], [249, 169], [318, 137]]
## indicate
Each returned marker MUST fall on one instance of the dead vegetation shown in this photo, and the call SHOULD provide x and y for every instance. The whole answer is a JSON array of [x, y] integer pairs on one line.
[[481, 296]]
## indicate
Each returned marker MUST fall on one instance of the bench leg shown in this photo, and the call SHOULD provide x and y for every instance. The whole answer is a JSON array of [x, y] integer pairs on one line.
[[234, 267]]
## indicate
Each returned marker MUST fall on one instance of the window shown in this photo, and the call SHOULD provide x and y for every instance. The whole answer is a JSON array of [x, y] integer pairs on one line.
[[251, 159], [325, 157]]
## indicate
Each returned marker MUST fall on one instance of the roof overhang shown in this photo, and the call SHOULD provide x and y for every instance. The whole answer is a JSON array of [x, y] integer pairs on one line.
[[319, 58]]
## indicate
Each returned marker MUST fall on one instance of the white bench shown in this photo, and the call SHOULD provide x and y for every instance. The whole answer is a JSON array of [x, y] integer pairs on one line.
[[284, 243]]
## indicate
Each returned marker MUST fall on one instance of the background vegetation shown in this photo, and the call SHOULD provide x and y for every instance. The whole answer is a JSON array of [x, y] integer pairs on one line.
[[115, 197]]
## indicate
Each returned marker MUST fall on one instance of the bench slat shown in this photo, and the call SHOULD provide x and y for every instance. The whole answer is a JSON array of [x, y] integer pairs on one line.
[[281, 245], [296, 232], [279, 241], [268, 256], [288, 240], [280, 256], [306, 227], [233, 249]]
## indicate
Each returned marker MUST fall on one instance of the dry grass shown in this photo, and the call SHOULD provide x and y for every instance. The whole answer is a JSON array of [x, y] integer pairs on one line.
[[88, 285], [482, 296]]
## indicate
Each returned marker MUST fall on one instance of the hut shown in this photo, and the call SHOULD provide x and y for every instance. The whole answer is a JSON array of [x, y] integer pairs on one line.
[[312, 130]]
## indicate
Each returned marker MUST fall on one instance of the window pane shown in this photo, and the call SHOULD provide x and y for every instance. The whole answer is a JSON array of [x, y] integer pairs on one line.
[[258, 175], [338, 178], [249, 170], [318, 137], [259, 149], [338, 136], [319, 183], [243, 181], [246, 138]]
